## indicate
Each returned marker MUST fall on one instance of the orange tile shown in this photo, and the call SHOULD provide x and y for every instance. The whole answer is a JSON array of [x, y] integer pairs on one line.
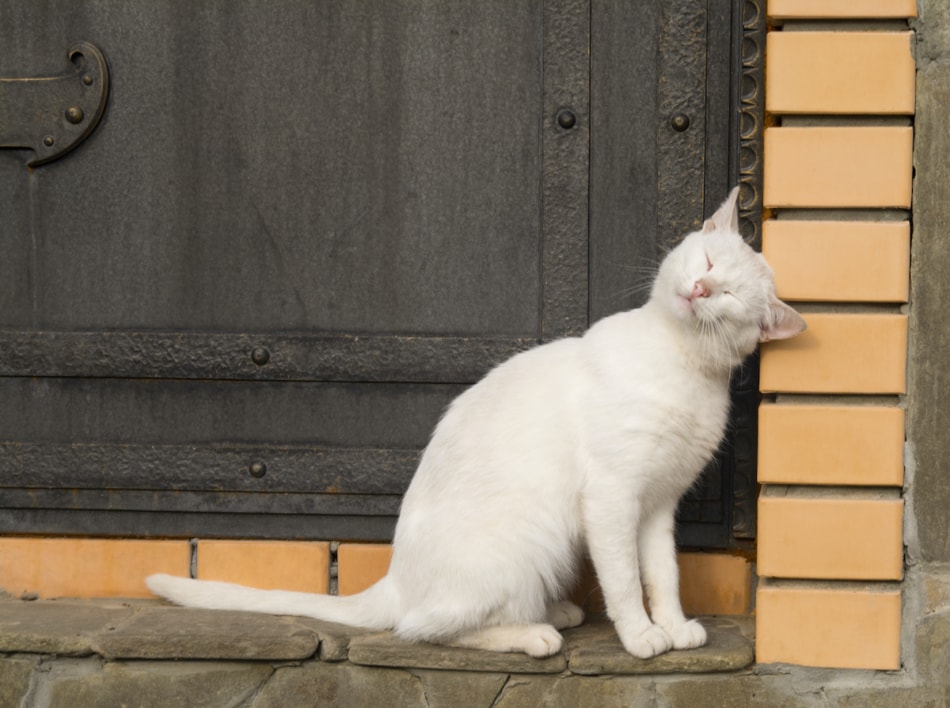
[[838, 166], [844, 629], [839, 353], [841, 9], [710, 584], [836, 261], [715, 584], [831, 444], [87, 567], [839, 72], [359, 565], [833, 539], [283, 565]]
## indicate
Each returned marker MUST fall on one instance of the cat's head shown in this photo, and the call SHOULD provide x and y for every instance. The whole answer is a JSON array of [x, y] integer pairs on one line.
[[717, 286]]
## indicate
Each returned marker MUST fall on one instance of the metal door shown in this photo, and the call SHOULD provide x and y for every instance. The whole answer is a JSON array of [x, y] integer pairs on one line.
[[301, 228]]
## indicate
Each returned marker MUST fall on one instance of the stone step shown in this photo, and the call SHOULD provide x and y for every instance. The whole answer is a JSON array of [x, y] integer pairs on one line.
[[83, 652]]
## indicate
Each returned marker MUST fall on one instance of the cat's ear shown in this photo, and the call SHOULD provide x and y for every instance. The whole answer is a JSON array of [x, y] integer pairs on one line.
[[726, 217], [783, 322]]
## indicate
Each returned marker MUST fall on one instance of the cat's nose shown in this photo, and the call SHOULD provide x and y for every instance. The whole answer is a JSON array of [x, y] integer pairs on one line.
[[699, 290]]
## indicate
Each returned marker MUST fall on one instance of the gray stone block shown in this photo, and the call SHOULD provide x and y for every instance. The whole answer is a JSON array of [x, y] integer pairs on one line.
[[933, 649], [340, 686], [180, 633], [334, 638], [595, 648], [385, 649], [933, 30], [65, 627], [745, 691], [558, 691], [156, 685], [451, 689], [929, 385], [15, 674]]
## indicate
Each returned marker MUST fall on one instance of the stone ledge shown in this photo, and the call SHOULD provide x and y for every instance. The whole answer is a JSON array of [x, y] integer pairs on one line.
[[116, 629]]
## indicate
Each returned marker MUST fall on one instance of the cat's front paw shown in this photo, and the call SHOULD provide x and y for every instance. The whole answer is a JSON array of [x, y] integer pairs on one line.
[[687, 635], [650, 642], [542, 640]]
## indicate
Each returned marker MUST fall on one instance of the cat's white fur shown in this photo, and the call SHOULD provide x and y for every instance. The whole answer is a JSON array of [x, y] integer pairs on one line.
[[583, 443]]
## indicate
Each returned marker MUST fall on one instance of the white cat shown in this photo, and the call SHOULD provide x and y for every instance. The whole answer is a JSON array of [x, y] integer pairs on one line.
[[580, 443]]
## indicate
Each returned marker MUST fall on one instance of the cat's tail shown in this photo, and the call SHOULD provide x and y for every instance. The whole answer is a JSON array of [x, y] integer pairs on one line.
[[373, 608]]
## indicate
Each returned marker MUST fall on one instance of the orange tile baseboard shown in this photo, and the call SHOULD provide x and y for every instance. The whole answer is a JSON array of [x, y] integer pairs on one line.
[[828, 627], [835, 539], [710, 583], [837, 167], [359, 565], [839, 353], [839, 72], [841, 9], [715, 584], [87, 567], [286, 565], [831, 445], [839, 261]]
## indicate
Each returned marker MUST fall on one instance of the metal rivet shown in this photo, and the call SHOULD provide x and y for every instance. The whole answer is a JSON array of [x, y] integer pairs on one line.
[[74, 114], [48, 141], [680, 122], [566, 119], [87, 80], [257, 469], [260, 356]]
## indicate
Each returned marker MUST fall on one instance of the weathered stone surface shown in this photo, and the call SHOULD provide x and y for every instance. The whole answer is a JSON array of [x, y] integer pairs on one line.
[[928, 415], [56, 626], [384, 649], [917, 697], [344, 685], [557, 691], [595, 648], [933, 649], [935, 588], [334, 638], [746, 691], [450, 689], [14, 680], [180, 633], [933, 30], [155, 685]]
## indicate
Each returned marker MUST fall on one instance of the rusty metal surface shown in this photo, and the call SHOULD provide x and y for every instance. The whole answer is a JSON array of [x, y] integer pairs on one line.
[[750, 97], [196, 468], [565, 168], [264, 356], [53, 115], [681, 90], [303, 228]]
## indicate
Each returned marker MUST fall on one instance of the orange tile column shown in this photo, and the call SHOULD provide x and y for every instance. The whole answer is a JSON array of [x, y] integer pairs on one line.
[[837, 185]]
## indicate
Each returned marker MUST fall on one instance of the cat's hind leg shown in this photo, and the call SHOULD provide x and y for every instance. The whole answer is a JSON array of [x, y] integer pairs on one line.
[[537, 640], [565, 614]]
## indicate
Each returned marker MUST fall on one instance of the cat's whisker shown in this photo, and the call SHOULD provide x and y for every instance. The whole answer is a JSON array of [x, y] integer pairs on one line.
[[638, 289]]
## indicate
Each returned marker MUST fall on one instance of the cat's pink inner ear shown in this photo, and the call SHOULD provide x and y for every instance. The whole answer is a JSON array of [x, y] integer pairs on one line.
[[731, 209], [783, 323], [726, 217]]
